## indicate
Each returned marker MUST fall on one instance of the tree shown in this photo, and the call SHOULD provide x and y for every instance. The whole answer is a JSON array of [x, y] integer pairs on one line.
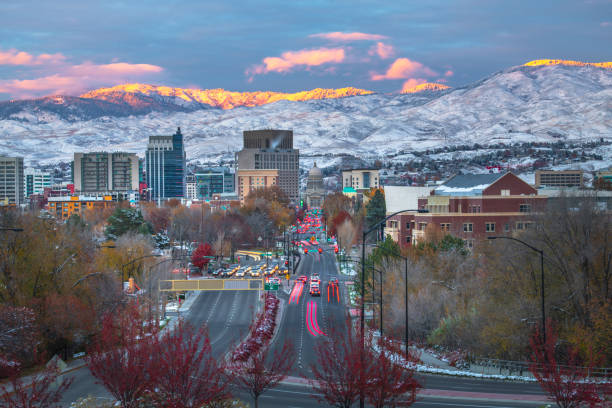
[[199, 257], [262, 370], [189, 376], [121, 356], [570, 386], [125, 220], [267, 194], [19, 334], [390, 378], [41, 390], [339, 374], [376, 209], [338, 220]]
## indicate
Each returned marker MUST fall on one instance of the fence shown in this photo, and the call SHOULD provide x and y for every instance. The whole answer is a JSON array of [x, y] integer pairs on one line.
[[521, 368]]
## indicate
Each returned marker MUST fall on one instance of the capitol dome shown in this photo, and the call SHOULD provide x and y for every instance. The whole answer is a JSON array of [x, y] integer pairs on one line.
[[315, 172]]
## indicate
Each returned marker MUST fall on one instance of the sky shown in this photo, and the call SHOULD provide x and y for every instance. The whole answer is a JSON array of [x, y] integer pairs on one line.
[[72, 46]]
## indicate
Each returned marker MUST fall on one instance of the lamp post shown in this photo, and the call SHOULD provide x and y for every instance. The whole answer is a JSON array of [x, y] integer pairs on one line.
[[364, 235], [541, 252], [137, 259]]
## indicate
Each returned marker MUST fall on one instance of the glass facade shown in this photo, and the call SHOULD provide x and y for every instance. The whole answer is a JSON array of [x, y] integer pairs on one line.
[[214, 181], [166, 164]]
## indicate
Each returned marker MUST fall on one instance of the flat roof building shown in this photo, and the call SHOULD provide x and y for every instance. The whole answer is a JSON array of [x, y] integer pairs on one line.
[[559, 178], [11, 181], [105, 171]]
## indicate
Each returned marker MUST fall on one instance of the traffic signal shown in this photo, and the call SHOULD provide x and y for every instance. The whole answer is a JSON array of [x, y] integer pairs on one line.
[[305, 250], [320, 251], [336, 249], [286, 263]]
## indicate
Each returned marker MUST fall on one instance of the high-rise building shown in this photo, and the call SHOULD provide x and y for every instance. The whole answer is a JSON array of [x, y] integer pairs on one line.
[[165, 166], [35, 181], [269, 150], [104, 172], [11, 181]]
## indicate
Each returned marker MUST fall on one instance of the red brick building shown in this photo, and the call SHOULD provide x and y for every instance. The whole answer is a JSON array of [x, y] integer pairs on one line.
[[472, 207]]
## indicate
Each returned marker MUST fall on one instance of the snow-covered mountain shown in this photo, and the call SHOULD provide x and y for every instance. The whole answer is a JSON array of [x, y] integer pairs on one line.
[[535, 102]]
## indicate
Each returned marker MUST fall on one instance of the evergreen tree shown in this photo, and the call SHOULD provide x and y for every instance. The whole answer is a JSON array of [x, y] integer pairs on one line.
[[376, 209], [124, 220]]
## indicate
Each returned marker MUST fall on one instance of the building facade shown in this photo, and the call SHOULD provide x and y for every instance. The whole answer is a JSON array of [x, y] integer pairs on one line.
[[214, 181], [270, 150], [103, 171], [471, 207], [166, 167], [361, 179], [191, 192], [35, 181], [249, 180], [11, 181], [561, 178], [63, 207], [315, 192]]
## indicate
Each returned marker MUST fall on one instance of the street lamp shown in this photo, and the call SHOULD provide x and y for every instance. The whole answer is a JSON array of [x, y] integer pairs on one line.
[[364, 235], [137, 259], [541, 252]]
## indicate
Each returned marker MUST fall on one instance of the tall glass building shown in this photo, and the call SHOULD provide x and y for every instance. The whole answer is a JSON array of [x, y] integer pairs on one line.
[[214, 180], [166, 165]]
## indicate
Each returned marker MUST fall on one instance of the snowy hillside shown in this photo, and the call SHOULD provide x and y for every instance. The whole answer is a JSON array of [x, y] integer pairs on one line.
[[522, 104]]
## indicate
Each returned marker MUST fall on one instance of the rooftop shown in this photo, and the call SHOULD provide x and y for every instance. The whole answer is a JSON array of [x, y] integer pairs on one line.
[[467, 184]]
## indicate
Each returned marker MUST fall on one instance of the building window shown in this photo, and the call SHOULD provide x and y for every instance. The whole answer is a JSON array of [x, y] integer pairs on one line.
[[505, 192], [445, 226], [520, 226], [469, 243], [525, 208], [422, 226], [490, 227], [468, 227], [506, 227], [475, 209], [408, 225], [408, 239]]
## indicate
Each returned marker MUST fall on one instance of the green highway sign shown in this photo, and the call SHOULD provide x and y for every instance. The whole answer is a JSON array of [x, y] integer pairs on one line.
[[270, 286]]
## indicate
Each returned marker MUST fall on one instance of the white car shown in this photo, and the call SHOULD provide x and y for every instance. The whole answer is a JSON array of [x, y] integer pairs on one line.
[[240, 273]]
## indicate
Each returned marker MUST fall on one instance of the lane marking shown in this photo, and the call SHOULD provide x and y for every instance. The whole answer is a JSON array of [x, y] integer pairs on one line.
[[309, 324]]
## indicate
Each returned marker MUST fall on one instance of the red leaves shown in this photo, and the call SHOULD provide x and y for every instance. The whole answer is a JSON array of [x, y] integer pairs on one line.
[[198, 258], [261, 332], [42, 390], [187, 374], [19, 336], [263, 370], [570, 385], [344, 371], [121, 357]]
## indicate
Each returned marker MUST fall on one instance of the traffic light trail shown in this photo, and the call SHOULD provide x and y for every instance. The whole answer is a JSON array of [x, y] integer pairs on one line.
[[335, 291], [296, 292], [311, 319]]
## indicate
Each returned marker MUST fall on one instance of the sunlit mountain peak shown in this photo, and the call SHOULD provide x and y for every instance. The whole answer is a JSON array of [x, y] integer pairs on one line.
[[428, 86], [539, 62], [219, 98]]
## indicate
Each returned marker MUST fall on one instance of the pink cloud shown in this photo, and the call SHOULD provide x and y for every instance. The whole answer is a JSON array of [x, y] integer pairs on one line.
[[54, 76], [449, 73], [605, 24], [15, 57], [383, 50], [403, 68], [291, 59], [347, 37], [412, 82]]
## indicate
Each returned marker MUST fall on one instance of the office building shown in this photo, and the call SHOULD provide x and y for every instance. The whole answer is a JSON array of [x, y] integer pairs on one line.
[[11, 181], [266, 151], [468, 206], [62, 207], [249, 180], [360, 179], [99, 172], [165, 167], [191, 191], [213, 181], [561, 178], [35, 181]]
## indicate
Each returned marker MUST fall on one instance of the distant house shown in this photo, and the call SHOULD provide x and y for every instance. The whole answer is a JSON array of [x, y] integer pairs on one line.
[[472, 207]]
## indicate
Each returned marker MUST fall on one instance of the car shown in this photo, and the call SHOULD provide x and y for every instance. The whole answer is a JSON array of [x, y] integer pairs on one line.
[[254, 273], [314, 289], [218, 272], [315, 278], [275, 280], [303, 279], [240, 273]]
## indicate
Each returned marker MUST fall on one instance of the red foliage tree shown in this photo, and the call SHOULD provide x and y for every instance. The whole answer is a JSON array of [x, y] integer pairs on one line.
[[19, 335], [339, 375], [41, 390], [263, 371], [188, 374], [391, 381], [338, 220], [121, 356], [198, 258], [569, 385]]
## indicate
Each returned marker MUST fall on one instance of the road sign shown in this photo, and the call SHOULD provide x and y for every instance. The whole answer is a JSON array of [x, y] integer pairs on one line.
[[270, 286]]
